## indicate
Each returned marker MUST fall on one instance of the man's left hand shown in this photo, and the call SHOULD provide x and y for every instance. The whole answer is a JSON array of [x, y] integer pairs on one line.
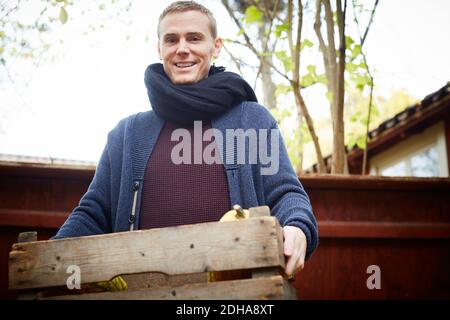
[[294, 249]]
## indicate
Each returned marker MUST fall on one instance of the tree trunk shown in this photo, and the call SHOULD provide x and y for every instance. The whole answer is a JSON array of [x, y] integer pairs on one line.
[[299, 150], [334, 70], [304, 111], [268, 87], [338, 159]]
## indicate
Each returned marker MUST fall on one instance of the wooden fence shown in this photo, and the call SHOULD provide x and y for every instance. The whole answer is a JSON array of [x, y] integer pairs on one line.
[[401, 225]]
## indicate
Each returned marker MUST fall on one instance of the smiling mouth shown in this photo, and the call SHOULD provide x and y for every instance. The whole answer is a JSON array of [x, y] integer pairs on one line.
[[183, 65]]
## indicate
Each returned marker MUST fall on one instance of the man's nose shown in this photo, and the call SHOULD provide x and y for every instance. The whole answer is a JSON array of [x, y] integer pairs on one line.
[[183, 47]]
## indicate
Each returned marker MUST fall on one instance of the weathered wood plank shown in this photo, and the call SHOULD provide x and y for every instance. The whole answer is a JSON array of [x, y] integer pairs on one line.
[[269, 288], [29, 236], [245, 244], [261, 211], [377, 229]]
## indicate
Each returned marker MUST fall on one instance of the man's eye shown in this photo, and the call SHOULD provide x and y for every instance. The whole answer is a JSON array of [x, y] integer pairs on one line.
[[171, 40]]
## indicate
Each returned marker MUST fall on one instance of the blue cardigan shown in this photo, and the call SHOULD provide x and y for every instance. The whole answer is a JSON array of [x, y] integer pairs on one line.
[[112, 202]]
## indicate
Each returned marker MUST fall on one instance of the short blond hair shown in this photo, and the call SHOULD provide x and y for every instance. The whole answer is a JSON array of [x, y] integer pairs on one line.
[[183, 6]]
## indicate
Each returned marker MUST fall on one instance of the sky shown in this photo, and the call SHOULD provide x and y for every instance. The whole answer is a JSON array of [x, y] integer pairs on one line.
[[65, 107]]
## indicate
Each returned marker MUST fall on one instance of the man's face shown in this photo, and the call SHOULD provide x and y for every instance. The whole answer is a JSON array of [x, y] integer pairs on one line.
[[186, 46]]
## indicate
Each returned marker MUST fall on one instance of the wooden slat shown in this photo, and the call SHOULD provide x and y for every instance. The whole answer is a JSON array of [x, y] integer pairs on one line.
[[32, 218], [360, 182], [28, 236], [245, 244], [35, 170], [261, 211], [366, 229], [271, 288]]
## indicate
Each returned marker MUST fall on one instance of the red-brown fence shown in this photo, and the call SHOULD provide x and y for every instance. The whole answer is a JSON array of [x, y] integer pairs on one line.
[[401, 225]]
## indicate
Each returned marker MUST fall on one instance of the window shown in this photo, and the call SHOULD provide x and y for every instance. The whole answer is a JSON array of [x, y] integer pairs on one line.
[[420, 164], [421, 155], [425, 164], [396, 170]]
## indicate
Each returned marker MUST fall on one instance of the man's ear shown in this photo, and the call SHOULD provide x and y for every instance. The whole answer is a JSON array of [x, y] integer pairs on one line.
[[218, 43], [159, 50]]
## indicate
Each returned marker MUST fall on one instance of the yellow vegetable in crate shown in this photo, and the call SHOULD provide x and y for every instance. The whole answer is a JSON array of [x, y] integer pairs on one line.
[[233, 215], [115, 284], [236, 214]]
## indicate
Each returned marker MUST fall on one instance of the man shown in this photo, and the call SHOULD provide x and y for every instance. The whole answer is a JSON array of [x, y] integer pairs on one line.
[[139, 184]]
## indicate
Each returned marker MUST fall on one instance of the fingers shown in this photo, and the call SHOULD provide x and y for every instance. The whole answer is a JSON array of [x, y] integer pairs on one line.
[[294, 249], [301, 261], [295, 263], [288, 244], [291, 264]]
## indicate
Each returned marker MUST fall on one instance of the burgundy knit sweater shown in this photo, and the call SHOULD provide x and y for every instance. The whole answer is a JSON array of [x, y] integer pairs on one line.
[[181, 194]]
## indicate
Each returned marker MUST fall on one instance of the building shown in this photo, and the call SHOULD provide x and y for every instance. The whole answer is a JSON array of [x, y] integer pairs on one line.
[[415, 142]]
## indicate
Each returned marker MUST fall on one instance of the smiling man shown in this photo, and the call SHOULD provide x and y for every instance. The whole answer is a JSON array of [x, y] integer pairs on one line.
[[138, 185], [187, 53]]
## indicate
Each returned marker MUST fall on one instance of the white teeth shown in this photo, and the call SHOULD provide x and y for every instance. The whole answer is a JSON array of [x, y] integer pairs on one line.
[[184, 65]]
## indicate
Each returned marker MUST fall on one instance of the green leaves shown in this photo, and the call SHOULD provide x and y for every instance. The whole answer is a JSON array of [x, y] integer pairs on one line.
[[310, 78], [306, 43], [356, 51], [283, 89], [252, 15], [63, 16], [349, 41], [279, 29], [355, 66], [361, 81], [351, 67], [311, 69], [358, 140], [307, 80], [321, 78], [285, 59]]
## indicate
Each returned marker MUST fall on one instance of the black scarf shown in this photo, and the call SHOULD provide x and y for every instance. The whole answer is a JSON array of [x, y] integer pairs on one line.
[[184, 103]]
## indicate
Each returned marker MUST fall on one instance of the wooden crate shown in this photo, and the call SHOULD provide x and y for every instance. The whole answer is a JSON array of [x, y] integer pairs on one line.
[[166, 263]]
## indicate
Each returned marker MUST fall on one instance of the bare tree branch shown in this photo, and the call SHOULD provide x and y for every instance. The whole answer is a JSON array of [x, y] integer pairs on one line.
[[10, 10], [331, 46], [235, 60], [271, 19], [370, 22], [297, 43], [289, 32], [238, 23], [322, 45], [362, 39], [339, 157], [248, 43]]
